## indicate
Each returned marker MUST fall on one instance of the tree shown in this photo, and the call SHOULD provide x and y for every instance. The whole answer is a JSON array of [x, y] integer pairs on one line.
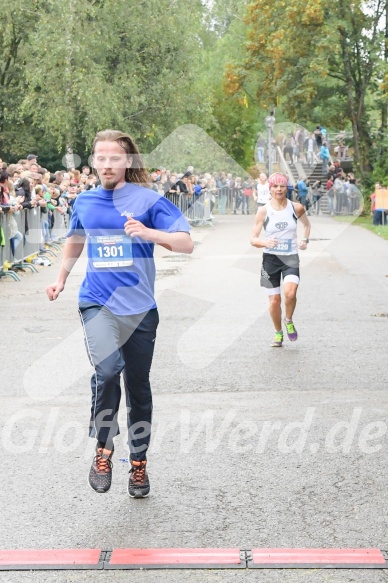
[[80, 66], [117, 64], [14, 36], [303, 51], [236, 116]]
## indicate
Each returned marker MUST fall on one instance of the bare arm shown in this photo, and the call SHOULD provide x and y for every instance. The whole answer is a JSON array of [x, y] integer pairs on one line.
[[179, 242], [71, 252], [256, 241], [301, 214]]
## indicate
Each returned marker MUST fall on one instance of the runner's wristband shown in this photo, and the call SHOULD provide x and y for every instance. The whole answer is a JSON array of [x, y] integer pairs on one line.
[[305, 239]]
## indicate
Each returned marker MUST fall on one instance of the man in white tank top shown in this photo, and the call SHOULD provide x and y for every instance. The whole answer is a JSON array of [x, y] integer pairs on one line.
[[263, 194], [280, 253]]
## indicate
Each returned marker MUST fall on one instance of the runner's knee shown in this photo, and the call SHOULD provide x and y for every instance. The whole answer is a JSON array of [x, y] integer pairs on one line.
[[290, 292], [274, 300]]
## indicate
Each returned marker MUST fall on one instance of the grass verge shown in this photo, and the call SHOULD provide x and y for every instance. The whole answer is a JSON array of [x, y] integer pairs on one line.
[[366, 223]]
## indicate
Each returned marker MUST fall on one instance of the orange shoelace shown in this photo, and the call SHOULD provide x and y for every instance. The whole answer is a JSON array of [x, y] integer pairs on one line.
[[103, 464], [138, 471]]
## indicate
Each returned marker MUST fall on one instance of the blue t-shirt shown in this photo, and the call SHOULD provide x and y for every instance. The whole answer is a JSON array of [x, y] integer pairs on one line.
[[197, 190], [302, 188], [121, 270]]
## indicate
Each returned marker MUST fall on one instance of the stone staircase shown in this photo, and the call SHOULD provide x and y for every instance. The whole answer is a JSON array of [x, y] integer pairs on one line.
[[312, 173]]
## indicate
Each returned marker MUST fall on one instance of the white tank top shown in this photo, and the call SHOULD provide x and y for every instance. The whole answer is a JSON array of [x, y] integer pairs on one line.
[[281, 225], [263, 193]]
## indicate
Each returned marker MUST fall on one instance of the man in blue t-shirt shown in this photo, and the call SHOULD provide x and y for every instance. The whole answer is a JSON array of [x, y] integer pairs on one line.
[[302, 191], [324, 155], [120, 222]]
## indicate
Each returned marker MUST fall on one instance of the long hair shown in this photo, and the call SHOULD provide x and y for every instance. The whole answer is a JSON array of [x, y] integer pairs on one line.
[[137, 173], [25, 185]]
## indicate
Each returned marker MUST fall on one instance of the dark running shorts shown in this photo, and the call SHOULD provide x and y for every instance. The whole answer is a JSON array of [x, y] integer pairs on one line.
[[276, 266]]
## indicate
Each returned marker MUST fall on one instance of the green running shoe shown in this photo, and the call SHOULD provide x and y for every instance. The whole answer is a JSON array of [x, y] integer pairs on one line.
[[277, 342], [291, 332]]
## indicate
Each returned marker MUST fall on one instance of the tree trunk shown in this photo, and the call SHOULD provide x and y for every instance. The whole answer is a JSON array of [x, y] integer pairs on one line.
[[352, 105], [384, 105]]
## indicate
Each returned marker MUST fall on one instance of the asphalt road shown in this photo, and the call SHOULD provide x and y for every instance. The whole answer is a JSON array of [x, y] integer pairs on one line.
[[252, 446]]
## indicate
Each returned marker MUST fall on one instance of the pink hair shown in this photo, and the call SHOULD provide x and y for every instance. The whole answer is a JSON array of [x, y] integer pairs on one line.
[[277, 178]]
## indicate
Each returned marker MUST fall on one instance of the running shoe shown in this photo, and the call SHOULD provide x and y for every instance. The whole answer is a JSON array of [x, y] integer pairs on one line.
[[291, 332], [100, 475], [138, 483], [277, 342]]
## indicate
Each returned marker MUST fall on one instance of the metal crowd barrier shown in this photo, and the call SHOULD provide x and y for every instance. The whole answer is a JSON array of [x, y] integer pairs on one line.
[[195, 208], [224, 200], [60, 227], [32, 243], [233, 199], [5, 247], [337, 204]]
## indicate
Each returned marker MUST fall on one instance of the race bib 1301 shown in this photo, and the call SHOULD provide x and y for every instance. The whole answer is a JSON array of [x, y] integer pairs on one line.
[[111, 251]]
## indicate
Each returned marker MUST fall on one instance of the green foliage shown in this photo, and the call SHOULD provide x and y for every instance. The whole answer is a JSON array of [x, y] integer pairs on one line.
[[380, 162], [70, 68], [73, 67], [87, 66], [237, 117], [14, 31], [320, 60]]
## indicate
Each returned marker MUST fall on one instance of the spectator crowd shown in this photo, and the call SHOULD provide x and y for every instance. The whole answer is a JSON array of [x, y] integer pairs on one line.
[[305, 152], [26, 185]]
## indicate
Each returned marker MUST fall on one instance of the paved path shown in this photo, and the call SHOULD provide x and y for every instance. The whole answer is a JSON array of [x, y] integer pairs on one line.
[[252, 447]]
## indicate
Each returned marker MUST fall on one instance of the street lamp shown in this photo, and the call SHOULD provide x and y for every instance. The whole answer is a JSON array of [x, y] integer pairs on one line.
[[270, 122]]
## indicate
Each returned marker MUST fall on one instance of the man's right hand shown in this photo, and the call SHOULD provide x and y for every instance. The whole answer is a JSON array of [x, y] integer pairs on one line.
[[54, 290], [271, 243]]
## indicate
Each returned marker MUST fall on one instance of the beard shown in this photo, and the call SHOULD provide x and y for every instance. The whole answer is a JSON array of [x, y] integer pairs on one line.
[[109, 183]]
